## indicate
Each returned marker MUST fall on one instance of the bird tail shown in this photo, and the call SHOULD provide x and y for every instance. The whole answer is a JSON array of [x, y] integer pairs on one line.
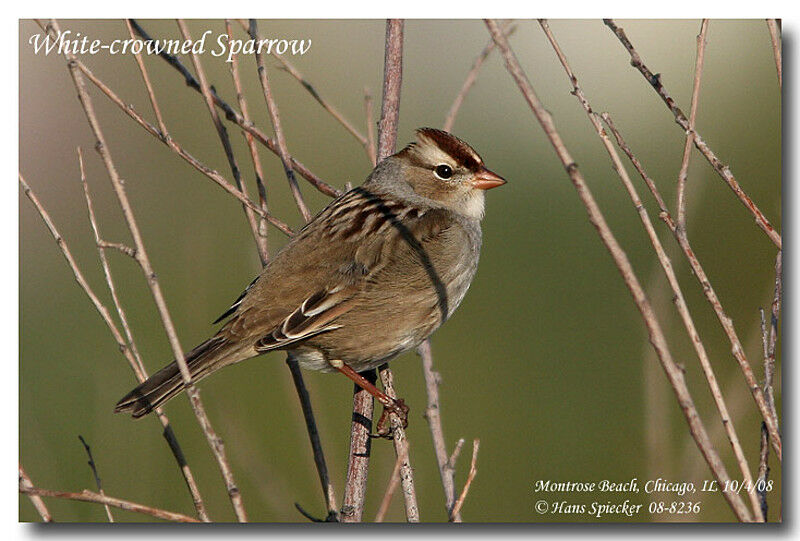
[[206, 358]]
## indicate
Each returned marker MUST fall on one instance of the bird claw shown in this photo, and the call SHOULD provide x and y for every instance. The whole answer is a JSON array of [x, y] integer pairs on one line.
[[385, 429]]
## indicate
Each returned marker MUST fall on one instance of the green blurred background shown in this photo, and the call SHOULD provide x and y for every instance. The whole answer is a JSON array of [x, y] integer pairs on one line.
[[546, 361]]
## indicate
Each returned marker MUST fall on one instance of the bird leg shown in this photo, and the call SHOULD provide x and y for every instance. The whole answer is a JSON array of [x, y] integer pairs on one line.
[[390, 405]]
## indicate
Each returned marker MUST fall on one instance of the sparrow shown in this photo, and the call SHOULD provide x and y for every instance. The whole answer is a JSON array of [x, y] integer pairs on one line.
[[371, 276]]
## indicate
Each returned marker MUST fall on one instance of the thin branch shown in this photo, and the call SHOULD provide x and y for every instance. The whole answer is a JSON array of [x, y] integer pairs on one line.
[[763, 471], [339, 117], [151, 94], [775, 37], [26, 484], [355, 488], [656, 336], [473, 470], [391, 488], [226, 144], [721, 169], [313, 435], [687, 149], [400, 441], [118, 246], [97, 481], [124, 347], [666, 265], [93, 497], [769, 360], [215, 443], [371, 145], [726, 322], [763, 455], [433, 416], [234, 116], [392, 79], [472, 76], [135, 360], [261, 231], [274, 117], [451, 462]]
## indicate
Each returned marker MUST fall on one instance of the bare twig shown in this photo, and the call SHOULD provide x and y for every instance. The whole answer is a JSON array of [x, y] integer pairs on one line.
[[392, 79], [763, 450], [769, 359], [132, 351], [261, 230], [451, 462], [721, 169], [433, 416], [699, 273], [234, 116], [371, 150], [355, 488], [391, 487], [118, 246], [472, 76], [472, 471], [656, 336], [153, 102], [26, 484], [316, 444], [124, 347], [143, 260], [687, 149], [775, 37], [339, 117], [274, 117], [93, 497], [763, 471], [226, 144], [97, 481], [666, 265], [400, 441]]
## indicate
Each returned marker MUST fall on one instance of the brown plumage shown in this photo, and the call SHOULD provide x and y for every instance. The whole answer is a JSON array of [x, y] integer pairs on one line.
[[372, 275]]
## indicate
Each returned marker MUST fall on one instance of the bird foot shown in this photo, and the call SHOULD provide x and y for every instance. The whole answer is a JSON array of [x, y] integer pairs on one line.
[[384, 428]]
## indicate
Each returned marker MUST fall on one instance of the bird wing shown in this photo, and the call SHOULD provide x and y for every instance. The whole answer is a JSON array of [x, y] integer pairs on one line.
[[317, 314]]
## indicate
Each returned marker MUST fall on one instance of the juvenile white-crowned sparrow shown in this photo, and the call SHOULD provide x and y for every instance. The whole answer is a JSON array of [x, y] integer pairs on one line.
[[371, 276]]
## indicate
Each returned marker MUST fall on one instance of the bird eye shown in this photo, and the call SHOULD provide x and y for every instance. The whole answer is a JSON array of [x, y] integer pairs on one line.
[[443, 171]]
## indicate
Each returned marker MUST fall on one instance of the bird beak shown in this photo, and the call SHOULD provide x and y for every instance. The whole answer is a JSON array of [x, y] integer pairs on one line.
[[486, 180]]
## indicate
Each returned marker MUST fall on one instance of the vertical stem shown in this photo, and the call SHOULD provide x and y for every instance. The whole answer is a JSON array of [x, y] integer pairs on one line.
[[400, 442], [392, 79], [687, 149], [313, 435], [433, 416], [355, 489]]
